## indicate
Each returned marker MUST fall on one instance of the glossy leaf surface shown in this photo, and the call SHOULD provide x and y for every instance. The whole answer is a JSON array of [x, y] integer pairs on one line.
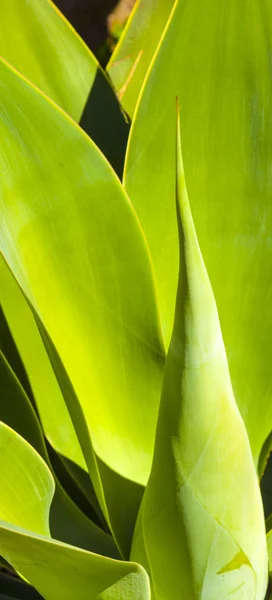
[[203, 521], [71, 237], [132, 56], [220, 71], [38, 41], [58, 570]]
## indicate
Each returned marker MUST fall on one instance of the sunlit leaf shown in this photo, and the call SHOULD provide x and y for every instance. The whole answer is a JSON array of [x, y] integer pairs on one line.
[[202, 513], [49, 400], [67, 522], [59, 570], [38, 41], [70, 235], [216, 57]]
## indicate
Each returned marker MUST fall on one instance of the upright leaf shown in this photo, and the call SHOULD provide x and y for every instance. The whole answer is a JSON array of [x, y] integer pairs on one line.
[[216, 57], [132, 56], [56, 570], [203, 521]]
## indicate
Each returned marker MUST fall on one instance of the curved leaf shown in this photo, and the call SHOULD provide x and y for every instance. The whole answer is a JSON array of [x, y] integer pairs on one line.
[[56, 570], [203, 520], [67, 522], [215, 56], [70, 235], [38, 41], [49, 400], [132, 55]]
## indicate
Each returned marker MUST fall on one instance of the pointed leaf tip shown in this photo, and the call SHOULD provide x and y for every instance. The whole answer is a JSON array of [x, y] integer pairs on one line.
[[203, 522]]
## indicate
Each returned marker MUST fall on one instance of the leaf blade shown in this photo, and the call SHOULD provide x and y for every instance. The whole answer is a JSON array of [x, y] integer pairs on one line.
[[206, 480], [98, 287], [53, 568], [40, 43], [226, 105]]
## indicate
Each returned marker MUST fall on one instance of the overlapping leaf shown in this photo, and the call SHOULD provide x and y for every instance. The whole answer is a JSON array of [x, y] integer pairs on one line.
[[56, 570], [49, 400], [38, 41], [216, 57], [202, 516], [70, 235], [67, 522]]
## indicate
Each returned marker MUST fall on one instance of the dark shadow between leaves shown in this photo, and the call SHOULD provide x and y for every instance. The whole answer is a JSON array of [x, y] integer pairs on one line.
[[89, 18], [105, 122], [126, 498], [10, 351], [75, 481], [13, 588], [266, 487]]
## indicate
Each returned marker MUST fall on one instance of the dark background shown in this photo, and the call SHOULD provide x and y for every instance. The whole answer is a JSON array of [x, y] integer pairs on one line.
[[98, 22]]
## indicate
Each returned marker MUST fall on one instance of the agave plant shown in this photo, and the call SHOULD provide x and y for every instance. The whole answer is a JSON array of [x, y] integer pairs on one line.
[[136, 409]]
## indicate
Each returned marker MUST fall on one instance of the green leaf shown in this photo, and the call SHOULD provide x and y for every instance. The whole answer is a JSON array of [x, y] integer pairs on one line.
[[221, 73], [132, 55], [56, 570], [203, 520], [67, 522], [72, 240], [38, 41]]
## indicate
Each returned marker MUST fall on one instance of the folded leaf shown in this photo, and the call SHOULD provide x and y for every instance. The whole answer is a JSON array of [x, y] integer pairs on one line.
[[132, 55], [220, 70], [73, 242], [202, 513], [56, 570], [38, 41]]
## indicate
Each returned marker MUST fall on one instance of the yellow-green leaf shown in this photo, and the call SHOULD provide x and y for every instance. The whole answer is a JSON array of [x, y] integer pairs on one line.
[[202, 515], [53, 411], [38, 41], [216, 57], [67, 522], [71, 237], [56, 570]]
